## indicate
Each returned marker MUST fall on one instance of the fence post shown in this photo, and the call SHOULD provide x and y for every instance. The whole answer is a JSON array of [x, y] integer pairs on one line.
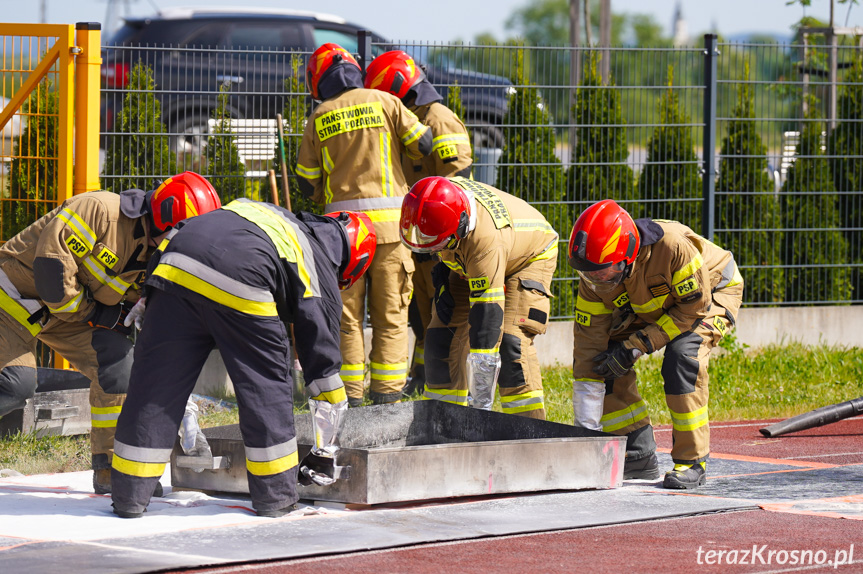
[[88, 61], [364, 47], [709, 147]]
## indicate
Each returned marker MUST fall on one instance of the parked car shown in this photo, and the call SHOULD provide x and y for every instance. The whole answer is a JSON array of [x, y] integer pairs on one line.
[[194, 51]]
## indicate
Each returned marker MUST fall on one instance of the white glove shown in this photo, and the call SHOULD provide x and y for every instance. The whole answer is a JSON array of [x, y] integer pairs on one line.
[[587, 400], [136, 314], [192, 439], [482, 372]]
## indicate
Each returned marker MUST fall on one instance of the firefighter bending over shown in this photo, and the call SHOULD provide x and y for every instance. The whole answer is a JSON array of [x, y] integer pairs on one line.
[[232, 279], [492, 288], [648, 285]]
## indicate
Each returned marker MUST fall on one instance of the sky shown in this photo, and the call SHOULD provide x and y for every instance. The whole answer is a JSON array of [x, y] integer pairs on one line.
[[447, 20]]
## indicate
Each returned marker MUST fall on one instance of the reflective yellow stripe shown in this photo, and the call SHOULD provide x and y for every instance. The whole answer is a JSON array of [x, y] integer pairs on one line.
[[352, 372], [333, 397], [140, 469], [687, 270], [737, 279], [105, 417], [413, 134], [689, 421], [486, 351], [213, 293], [446, 139], [452, 396], [271, 467], [381, 215], [85, 232], [650, 306], [624, 417], [18, 312], [594, 308], [667, 324], [549, 253], [454, 266], [71, 306], [308, 172], [96, 268], [388, 371], [529, 401], [496, 294], [386, 165], [533, 225], [328, 167]]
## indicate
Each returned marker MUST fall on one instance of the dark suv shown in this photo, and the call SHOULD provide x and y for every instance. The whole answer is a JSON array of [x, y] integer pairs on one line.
[[195, 51]]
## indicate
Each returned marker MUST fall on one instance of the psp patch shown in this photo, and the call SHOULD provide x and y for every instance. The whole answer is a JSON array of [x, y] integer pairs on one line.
[[582, 319], [686, 287], [479, 283], [447, 151], [76, 245], [720, 325], [107, 257], [623, 299]]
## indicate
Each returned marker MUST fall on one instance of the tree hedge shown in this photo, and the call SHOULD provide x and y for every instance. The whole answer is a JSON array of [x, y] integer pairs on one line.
[[221, 156]]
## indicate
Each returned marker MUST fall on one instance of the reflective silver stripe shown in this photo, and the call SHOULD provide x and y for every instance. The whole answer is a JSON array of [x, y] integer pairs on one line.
[[429, 394], [506, 404], [330, 383], [629, 416], [307, 256], [367, 204], [727, 275], [70, 307], [269, 453], [213, 277], [74, 221], [375, 371], [95, 267], [32, 305], [141, 454]]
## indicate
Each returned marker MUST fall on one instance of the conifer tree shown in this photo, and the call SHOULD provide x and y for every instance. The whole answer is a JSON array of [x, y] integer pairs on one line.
[[751, 207], [221, 155], [141, 159], [599, 169], [671, 170], [528, 168], [845, 146], [32, 179], [294, 117], [810, 211]]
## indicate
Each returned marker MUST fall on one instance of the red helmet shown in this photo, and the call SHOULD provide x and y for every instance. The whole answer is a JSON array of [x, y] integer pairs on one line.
[[362, 241], [323, 60], [184, 195], [604, 242], [435, 213], [394, 72]]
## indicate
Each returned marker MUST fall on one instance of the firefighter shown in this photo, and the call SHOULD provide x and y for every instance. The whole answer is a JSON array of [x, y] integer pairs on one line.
[[68, 279], [232, 279], [498, 255], [648, 285], [349, 159], [396, 72]]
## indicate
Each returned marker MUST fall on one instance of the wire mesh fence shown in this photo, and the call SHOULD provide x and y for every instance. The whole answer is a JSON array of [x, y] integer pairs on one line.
[[756, 146]]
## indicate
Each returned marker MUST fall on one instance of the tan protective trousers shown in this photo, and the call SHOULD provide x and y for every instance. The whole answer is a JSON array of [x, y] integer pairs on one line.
[[685, 377], [103, 356], [520, 379], [387, 286], [422, 299]]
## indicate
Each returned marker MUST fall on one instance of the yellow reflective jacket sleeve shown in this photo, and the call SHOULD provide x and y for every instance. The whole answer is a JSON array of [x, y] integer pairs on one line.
[[590, 333], [67, 242], [689, 279], [411, 132]]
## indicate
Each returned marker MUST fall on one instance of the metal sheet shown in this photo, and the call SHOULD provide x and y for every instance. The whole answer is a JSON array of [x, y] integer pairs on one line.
[[429, 449]]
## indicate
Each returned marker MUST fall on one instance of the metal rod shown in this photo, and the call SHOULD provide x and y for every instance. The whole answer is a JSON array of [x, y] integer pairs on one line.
[[284, 162]]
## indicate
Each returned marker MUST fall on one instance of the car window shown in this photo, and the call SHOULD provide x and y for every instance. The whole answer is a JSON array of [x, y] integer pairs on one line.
[[255, 36], [209, 35], [343, 39]]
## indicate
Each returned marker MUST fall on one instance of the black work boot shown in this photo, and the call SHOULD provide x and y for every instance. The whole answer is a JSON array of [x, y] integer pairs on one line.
[[278, 512], [353, 402], [686, 476], [645, 468], [127, 513]]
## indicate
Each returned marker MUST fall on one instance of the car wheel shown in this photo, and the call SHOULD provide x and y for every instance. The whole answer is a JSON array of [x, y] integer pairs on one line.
[[189, 137], [484, 134]]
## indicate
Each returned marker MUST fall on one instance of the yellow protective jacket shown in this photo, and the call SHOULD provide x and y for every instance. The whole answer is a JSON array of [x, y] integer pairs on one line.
[[87, 250], [670, 290], [350, 155], [451, 149], [507, 236]]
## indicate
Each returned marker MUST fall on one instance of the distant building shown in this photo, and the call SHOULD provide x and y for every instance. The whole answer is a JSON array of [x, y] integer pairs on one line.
[[679, 30]]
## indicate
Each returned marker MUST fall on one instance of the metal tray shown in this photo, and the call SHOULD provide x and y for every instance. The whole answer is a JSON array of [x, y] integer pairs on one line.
[[427, 450]]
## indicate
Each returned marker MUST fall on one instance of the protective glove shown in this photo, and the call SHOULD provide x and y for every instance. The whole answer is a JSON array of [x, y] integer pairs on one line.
[[110, 317], [587, 401], [616, 361], [319, 466], [443, 300], [482, 372], [192, 439], [136, 314]]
